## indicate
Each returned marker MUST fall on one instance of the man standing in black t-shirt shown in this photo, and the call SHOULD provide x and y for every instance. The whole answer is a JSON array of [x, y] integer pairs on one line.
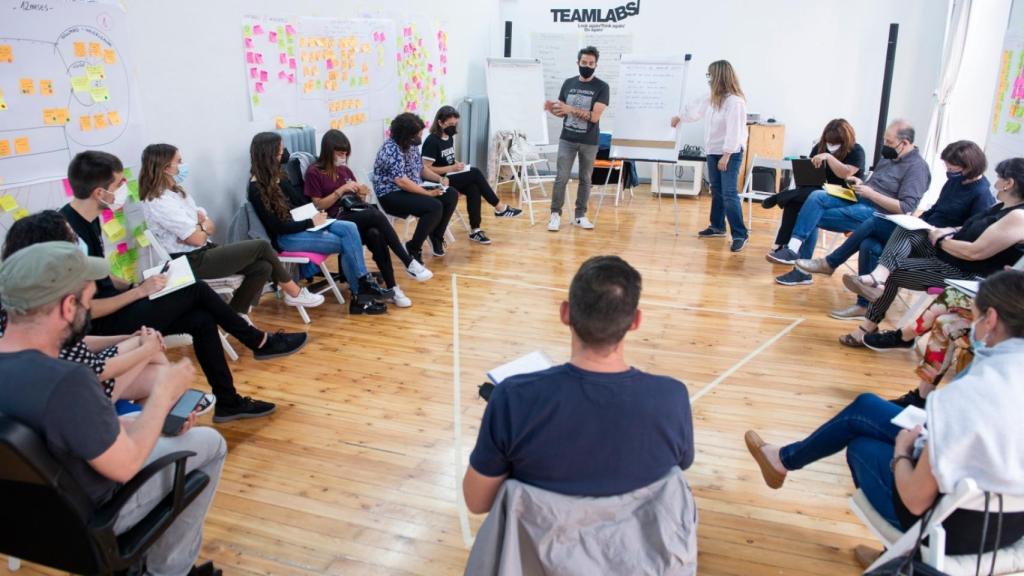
[[581, 102]]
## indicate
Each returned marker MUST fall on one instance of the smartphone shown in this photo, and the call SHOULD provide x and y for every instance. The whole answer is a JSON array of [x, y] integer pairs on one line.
[[180, 413]]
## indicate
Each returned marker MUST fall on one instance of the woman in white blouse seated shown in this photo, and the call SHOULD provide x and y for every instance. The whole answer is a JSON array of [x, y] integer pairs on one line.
[[974, 431], [181, 227]]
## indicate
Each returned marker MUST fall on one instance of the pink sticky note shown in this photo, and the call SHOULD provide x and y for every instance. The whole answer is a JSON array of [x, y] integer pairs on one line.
[[430, 67], [272, 37], [259, 88], [398, 57], [289, 29], [259, 58], [122, 248], [257, 29], [250, 57], [407, 31], [444, 71], [282, 75], [263, 75], [420, 42], [433, 81], [374, 36], [254, 72], [67, 188], [283, 58], [291, 78], [291, 63], [106, 215], [330, 64], [248, 43]]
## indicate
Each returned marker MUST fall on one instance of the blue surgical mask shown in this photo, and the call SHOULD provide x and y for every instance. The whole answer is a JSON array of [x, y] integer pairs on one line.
[[976, 344], [83, 246], [182, 174], [954, 175]]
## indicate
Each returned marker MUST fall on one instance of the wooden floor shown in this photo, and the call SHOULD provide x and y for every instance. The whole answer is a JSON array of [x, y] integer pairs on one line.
[[355, 473]]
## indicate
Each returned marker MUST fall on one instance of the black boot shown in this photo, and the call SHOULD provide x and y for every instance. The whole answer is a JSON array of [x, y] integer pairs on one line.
[[369, 287], [366, 304]]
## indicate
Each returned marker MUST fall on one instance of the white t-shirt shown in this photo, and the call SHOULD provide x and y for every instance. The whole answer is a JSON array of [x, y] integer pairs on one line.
[[172, 218], [725, 128]]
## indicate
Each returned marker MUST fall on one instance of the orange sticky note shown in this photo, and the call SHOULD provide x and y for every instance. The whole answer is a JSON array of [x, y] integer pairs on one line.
[[46, 87], [279, 122], [79, 49], [109, 56], [3, 103], [21, 145], [27, 87], [5, 148], [85, 123], [114, 118], [50, 117], [100, 121], [95, 50], [6, 54]]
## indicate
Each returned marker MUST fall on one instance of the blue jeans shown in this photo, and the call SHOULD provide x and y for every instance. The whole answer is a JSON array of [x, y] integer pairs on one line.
[[341, 238], [725, 199], [865, 430], [822, 210], [867, 241]]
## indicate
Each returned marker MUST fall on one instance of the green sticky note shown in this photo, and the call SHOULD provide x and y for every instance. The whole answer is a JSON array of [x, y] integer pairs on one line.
[[128, 174], [247, 30], [1013, 127], [133, 189], [255, 99], [80, 83], [291, 52]]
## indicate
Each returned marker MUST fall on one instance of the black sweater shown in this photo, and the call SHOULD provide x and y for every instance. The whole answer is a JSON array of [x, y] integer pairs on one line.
[[275, 225]]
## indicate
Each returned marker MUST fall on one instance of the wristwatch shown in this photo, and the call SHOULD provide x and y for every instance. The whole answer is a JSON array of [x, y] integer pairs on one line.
[[897, 458]]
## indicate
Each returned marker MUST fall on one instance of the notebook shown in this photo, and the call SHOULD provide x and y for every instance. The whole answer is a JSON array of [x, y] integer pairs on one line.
[[910, 417], [306, 212], [463, 171], [841, 192], [532, 362], [968, 287], [805, 174], [906, 221], [179, 275]]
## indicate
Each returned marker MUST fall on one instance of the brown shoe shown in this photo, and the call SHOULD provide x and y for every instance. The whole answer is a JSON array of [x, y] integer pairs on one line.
[[870, 292], [815, 266], [865, 555], [772, 477]]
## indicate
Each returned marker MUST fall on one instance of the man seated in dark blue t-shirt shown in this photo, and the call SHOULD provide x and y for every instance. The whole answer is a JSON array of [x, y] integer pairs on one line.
[[594, 426]]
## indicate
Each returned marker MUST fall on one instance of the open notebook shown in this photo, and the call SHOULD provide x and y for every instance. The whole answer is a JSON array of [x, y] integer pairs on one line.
[[906, 221], [841, 192], [306, 212], [179, 275], [532, 362]]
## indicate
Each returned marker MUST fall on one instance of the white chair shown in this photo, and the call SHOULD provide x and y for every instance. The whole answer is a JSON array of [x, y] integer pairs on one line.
[[966, 496], [749, 193], [526, 178]]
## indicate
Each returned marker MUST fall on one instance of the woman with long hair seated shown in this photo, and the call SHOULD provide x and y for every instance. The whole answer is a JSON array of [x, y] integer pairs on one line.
[[183, 228], [272, 197], [333, 188], [973, 426]]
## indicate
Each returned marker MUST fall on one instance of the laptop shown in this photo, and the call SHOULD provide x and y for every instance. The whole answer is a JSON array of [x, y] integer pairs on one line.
[[805, 174]]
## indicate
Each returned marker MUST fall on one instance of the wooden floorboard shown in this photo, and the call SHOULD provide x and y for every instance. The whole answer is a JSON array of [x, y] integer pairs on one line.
[[354, 474]]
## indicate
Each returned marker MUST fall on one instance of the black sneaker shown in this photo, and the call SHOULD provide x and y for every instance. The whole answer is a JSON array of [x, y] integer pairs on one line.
[[794, 278], [912, 398], [368, 285], [207, 569], [480, 237], [783, 255], [244, 407], [738, 244], [437, 247], [710, 232], [508, 212], [279, 344], [887, 341], [365, 304], [770, 202]]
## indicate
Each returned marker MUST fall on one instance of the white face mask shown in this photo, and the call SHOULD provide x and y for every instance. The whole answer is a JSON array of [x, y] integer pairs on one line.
[[339, 161], [120, 197], [832, 148]]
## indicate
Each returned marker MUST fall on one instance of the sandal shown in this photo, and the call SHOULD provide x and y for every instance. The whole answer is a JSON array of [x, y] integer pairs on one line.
[[851, 341], [858, 286]]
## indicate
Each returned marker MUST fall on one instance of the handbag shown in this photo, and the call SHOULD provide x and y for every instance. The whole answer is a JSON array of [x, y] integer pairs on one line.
[[352, 203]]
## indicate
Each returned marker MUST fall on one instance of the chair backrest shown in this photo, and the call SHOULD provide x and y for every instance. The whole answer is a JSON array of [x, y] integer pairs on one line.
[[758, 162], [296, 168], [158, 250], [44, 513]]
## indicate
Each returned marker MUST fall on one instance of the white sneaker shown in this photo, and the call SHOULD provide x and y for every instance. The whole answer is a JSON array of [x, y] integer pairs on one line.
[[400, 299], [418, 271], [306, 299], [555, 222], [584, 222]]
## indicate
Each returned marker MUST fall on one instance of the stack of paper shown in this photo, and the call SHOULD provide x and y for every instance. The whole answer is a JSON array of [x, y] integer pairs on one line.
[[532, 362], [307, 212], [906, 221]]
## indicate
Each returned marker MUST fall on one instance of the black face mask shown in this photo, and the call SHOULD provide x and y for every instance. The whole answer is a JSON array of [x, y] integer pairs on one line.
[[78, 332], [451, 130], [415, 141], [889, 153], [586, 71]]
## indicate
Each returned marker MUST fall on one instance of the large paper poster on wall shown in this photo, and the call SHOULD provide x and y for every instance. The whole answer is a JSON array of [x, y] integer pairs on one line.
[[64, 88], [271, 65], [1006, 137], [422, 58]]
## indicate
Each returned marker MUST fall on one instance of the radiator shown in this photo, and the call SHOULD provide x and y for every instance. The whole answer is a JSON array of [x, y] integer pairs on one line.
[[299, 139], [472, 139]]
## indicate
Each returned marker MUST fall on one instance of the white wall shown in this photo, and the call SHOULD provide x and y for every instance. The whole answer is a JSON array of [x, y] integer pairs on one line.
[[802, 62], [188, 60]]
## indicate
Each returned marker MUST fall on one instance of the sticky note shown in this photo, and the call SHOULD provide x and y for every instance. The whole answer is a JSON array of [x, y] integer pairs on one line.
[[114, 230], [128, 174], [141, 240], [8, 203], [247, 30], [27, 87], [114, 118], [19, 214], [291, 63], [263, 76], [50, 117], [101, 94], [259, 57], [67, 188], [289, 29], [3, 103], [95, 72], [279, 122], [100, 121], [283, 58], [6, 54], [46, 87], [106, 215], [79, 49], [5, 148], [259, 88], [257, 30], [272, 37], [109, 56], [95, 50], [133, 189], [122, 248], [21, 145], [249, 43], [250, 58], [80, 84]]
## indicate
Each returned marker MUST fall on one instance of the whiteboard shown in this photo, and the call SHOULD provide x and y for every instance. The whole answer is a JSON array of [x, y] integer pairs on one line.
[[515, 95], [1006, 132], [650, 94]]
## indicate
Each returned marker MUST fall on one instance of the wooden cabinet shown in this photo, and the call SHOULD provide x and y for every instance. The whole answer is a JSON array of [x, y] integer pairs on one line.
[[764, 141]]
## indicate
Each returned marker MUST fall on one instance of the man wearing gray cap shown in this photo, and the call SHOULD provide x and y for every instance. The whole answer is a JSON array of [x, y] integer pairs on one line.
[[47, 290]]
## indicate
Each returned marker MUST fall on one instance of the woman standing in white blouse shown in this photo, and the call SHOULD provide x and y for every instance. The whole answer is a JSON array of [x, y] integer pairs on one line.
[[725, 133], [182, 228]]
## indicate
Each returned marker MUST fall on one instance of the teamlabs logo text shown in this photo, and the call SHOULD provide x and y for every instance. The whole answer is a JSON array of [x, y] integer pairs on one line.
[[596, 17]]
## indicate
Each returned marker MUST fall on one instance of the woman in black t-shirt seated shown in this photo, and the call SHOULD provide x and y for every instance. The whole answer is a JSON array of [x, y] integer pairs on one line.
[[439, 157], [843, 158], [973, 427]]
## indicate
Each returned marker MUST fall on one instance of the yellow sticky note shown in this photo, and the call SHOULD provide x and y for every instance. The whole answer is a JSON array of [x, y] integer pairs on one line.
[[19, 214], [95, 72], [109, 56], [63, 115], [79, 49], [6, 54], [114, 230], [114, 118], [141, 240], [21, 145], [8, 203], [80, 84], [46, 87], [85, 123], [50, 117], [100, 121], [5, 148], [95, 50], [27, 87], [101, 94], [279, 122]]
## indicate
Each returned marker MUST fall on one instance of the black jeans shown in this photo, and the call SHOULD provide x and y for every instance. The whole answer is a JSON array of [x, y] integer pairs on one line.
[[473, 185], [197, 311], [380, 238], [433, 212]]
